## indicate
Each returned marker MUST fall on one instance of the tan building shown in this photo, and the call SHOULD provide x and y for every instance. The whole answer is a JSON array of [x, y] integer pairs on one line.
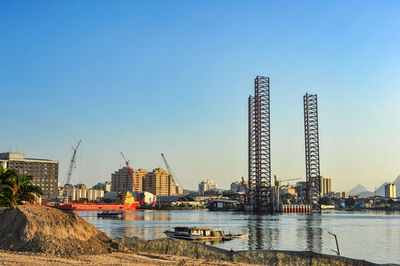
[[287, 190], [342, 195], [325, 185], [121, 181], [43, 172], [107, 187], [390, 190], [178, 189], [139, 176], [159, 182]]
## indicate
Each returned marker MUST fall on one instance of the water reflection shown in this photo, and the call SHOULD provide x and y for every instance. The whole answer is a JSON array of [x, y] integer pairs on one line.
[[255, 232], [275, 232], [314, 232], [369, 230], [263, 231], [147, 216]]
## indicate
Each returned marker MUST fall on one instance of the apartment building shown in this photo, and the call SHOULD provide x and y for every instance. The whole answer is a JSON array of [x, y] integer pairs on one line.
[[207, 185], [121, 181], [43, 172], [160, 183]]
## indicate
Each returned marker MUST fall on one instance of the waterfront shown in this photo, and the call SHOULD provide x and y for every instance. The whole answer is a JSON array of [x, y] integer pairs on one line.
[[369, 235]]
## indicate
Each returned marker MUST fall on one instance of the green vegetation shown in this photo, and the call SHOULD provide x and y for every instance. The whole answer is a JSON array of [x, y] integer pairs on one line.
[[325, 201], [350, 202], [285, 198], [16, 189], [229, 194]]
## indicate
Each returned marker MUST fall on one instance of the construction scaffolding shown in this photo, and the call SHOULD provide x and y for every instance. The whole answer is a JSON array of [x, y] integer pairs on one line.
[[312, 151], [260, 193]]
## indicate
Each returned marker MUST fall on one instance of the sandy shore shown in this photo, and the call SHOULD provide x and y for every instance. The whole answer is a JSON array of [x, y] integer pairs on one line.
[[115, 258]]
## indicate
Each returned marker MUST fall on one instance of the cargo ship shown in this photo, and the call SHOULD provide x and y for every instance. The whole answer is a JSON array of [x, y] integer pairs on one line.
[[129, 204]]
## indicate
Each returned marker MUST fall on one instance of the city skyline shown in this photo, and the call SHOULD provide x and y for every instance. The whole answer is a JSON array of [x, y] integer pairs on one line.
[[171, 78]]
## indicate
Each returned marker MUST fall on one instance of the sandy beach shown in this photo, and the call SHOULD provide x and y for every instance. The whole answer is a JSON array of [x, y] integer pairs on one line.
[[114, 258]]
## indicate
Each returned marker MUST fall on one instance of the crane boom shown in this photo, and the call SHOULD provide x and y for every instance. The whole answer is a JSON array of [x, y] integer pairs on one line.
[[133, 179], [174, 179], [291, 179], [278, 182], [72, 163]]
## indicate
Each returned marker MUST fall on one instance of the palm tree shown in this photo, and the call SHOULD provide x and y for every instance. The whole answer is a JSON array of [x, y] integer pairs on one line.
[[6, 195], [16, 189]]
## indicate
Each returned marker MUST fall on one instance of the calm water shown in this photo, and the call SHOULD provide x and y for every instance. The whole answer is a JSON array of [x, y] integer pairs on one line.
[[373, 236]]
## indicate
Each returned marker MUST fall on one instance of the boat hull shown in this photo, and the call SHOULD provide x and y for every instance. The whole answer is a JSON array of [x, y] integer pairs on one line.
[[173, 234], [98, 206], [112, 215]]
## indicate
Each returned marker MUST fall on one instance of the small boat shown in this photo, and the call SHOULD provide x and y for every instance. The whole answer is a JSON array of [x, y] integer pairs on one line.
[[199, 234], [109, 214], [238, 236]]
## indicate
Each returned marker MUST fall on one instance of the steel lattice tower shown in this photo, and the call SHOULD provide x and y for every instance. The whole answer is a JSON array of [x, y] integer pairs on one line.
[[312, 151], [260, 194]]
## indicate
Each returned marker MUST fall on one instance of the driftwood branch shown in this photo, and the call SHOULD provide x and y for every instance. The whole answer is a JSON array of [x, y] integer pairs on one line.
[[337, 251]]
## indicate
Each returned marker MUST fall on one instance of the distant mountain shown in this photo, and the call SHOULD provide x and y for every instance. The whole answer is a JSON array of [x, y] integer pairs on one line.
[[358, 189], [189, 191], [361, 191], [380, 191], [365, 194]]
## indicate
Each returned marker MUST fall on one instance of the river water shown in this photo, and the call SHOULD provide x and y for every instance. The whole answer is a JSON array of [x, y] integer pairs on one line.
[[369, 235]]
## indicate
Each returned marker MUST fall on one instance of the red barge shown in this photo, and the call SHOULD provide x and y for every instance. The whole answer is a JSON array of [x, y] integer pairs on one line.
[[129, 205]]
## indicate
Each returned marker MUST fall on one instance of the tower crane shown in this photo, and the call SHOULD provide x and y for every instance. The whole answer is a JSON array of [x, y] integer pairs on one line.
[[133, 179], [278, 183], [245, 185], [243, 199], [72, 163], [174, 179]]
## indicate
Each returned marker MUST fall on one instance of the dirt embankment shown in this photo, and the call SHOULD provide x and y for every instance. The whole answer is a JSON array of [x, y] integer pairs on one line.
[[264, 257], [48, 230]]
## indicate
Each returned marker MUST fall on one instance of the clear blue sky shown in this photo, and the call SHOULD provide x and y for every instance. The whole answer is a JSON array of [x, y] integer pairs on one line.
[[145, 77]]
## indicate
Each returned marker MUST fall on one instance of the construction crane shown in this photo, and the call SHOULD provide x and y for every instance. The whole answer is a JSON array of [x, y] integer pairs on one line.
[[72, 163], [133, 179], [174, 179], [243, 199], [245, 185], [278, 183]]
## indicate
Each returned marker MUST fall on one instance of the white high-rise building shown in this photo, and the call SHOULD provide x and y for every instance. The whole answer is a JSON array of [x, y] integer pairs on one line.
[[390, 190], [238, 186], [207, 185]]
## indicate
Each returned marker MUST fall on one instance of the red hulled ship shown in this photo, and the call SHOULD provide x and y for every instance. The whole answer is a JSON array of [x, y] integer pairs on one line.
[[129, 205]]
